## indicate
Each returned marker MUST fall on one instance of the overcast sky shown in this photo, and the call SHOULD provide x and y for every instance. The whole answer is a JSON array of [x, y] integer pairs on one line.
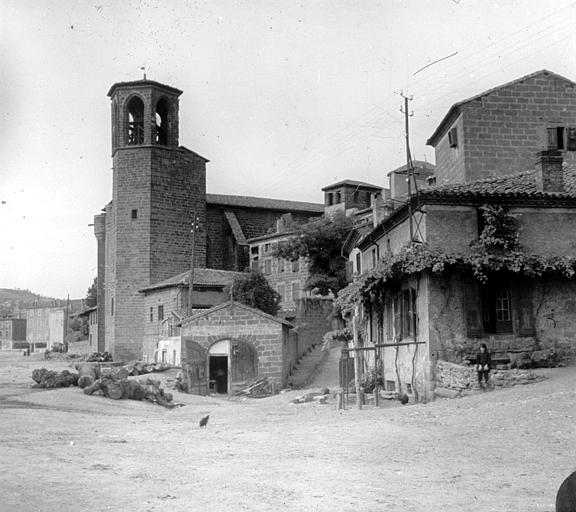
[[283, 97]]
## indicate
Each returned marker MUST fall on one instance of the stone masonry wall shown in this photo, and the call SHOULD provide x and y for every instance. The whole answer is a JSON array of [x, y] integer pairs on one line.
[[501, 132], [236, 323], [450, 162], [462, 379]]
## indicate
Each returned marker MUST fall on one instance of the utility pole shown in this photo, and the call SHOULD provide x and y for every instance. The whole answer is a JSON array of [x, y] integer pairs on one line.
[[409, 169], [195, 226]]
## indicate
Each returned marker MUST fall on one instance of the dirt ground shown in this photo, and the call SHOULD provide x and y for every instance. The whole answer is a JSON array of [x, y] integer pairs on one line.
[[61, 450]]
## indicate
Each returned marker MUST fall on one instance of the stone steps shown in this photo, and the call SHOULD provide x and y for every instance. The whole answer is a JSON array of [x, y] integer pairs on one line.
[[307, 367]]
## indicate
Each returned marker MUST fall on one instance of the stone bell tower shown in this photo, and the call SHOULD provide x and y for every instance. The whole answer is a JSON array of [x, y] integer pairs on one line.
[[157, 184]]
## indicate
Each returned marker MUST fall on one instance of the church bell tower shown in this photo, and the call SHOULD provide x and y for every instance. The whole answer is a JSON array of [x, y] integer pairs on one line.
[[157, 185]]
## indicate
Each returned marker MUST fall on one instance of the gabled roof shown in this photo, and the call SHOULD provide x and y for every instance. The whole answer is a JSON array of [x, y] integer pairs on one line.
[[352, 183], [233, 303], [263, 203], [455, 109], [202, 277]]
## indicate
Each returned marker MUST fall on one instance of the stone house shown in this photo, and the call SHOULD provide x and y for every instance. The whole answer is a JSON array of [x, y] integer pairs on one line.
[[287, 277], [442, 312], [229, 345], [166, 304], [499, 131], [13, 333]]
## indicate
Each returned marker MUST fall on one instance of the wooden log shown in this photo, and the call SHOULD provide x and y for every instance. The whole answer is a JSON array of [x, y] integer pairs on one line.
[[88, 373]]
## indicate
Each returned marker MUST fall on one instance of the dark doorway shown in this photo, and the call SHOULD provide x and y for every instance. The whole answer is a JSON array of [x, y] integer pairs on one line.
[[219, 373]]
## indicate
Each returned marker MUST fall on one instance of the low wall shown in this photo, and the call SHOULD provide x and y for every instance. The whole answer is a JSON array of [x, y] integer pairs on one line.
[[81, 347], [459, 378]]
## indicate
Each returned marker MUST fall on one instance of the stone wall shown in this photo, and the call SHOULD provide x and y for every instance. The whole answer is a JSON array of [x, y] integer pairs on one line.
[[463, 379], [236, 322], [501, 132], [82, 347]]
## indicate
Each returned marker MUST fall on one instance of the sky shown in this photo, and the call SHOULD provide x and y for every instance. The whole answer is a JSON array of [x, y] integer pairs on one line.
[[283, 97]]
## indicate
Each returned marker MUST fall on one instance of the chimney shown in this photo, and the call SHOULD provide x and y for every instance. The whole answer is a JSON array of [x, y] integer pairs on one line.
[[549, 172], [378, 212]]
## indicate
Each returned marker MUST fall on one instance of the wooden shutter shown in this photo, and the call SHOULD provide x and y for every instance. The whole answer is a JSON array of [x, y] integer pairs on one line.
[[571, 139], [244, 364], [398, 316], [413, 315], [195, 367], [524, 312], [473, 308]]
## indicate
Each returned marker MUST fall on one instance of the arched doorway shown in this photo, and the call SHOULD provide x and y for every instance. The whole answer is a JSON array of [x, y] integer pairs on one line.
[[232, 365]]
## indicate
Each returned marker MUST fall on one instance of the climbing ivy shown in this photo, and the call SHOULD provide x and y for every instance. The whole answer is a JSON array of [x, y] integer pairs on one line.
[[497, 250]]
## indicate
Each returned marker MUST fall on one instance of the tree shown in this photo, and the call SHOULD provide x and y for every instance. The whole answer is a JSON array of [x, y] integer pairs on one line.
[[92, 294], [254, 290], [320, 242]]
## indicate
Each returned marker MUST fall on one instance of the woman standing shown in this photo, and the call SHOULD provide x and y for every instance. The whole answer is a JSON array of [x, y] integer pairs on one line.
[[483, 364]]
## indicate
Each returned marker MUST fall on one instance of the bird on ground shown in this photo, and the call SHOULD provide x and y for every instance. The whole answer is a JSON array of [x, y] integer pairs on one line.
[[403, 398], [204, 421]]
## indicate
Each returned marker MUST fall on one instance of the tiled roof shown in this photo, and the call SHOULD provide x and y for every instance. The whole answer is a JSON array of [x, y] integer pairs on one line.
[[517, 189], [202, 277], [140, 83], [352, 183], [455, 109], [263, 203], [520, 185]]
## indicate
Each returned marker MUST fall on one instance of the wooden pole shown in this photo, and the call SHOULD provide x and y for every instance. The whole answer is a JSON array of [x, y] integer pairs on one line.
[[191, 274], [357, 367]]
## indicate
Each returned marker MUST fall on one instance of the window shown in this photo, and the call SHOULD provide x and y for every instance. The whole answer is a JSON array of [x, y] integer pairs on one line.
[[390, 385], [112, 306], [374, 256], [453, 137], [296, 266], [405, 314], [151, 314], [135, 121], [281, 290], [295, 290], [90, 339], [134, 214], [268, 266], [266, 247], [337, 197], [329, 199], [160, 120], [496, 310], [280, 265], [359, 263], [160, 313]]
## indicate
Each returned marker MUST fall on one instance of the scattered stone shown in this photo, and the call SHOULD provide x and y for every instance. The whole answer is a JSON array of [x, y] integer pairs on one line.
[[447, 393]]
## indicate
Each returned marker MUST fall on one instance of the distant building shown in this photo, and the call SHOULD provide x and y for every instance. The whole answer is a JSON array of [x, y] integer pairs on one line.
[[46, 326], [287, 277], [13, 334], [423, 177]]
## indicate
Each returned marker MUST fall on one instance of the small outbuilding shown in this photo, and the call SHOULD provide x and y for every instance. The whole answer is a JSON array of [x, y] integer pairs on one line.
[[228, 346]]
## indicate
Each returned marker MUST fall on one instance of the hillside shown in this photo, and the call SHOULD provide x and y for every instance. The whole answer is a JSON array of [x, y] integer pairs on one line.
[[21, 296]]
